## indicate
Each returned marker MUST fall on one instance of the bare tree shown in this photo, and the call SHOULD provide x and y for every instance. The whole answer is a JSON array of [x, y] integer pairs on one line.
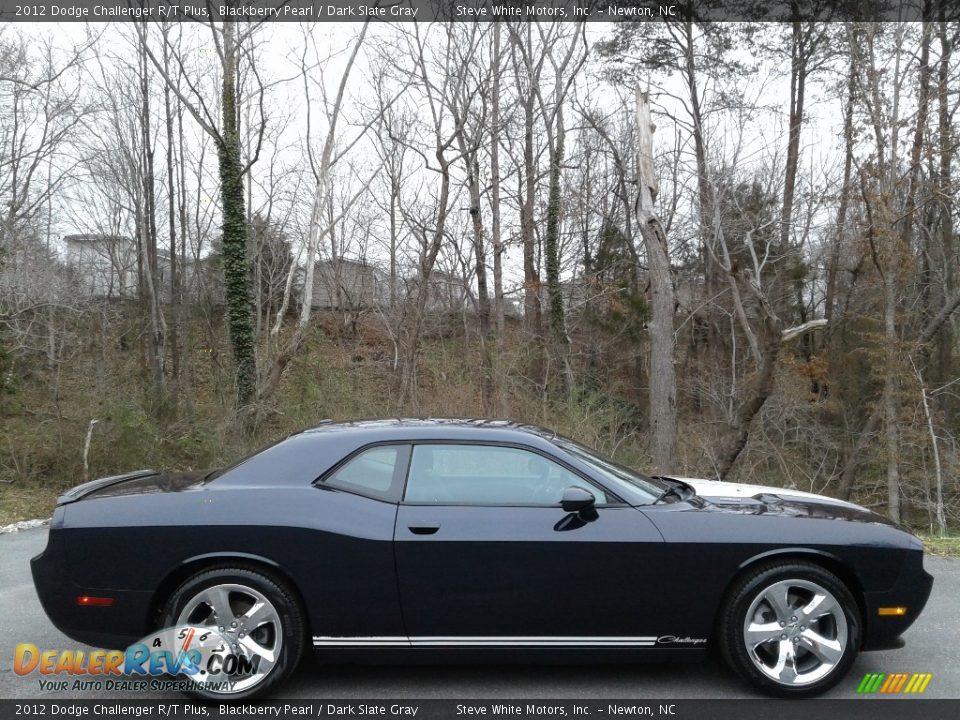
[[469, 110], [440, 76], [527, 74], [496, 238], [146, 210], [663, 383], [230, 41], [321, 224], [41, 112]]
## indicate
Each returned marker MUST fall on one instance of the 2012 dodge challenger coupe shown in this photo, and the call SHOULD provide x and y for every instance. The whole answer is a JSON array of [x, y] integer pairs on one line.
[[483, 539]]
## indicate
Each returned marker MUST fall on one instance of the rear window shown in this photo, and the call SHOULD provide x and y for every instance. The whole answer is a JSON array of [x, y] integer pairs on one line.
[[373, 472], [298, 458]]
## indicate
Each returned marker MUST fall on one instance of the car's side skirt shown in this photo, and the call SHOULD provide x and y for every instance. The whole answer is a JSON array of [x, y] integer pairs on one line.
[[485, 641]]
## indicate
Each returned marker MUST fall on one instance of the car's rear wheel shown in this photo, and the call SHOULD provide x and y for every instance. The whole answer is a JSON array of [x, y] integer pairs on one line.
[[791, 629], [259, 620]]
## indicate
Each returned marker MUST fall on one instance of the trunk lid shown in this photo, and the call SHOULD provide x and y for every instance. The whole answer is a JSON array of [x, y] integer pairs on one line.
[[138, 482]]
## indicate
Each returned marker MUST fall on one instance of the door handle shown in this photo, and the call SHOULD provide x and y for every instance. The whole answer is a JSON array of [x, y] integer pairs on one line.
[[424, 529]]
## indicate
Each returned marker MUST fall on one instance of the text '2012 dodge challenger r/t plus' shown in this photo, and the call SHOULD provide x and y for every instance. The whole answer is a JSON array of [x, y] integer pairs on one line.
[[480, 539]]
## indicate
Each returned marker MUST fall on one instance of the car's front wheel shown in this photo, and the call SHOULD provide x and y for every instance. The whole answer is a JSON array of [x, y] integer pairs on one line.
[[791, 629], [260, 623]]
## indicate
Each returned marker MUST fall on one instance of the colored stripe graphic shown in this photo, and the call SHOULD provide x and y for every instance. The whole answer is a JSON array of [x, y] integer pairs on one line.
[[898, 685], [913, 683], [871, 683], [894, 683]]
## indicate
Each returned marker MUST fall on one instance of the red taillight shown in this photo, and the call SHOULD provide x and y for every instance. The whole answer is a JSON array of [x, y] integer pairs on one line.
[[89, 600]]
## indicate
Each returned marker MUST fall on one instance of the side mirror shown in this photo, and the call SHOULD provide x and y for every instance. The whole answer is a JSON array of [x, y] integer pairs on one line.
[[576, 499]]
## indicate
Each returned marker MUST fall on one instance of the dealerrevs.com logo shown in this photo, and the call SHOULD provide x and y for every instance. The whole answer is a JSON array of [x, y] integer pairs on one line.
[[200, 656], [900, 683]]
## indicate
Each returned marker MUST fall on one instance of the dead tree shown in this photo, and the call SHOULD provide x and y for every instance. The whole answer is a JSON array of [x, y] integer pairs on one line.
[[663, 381]]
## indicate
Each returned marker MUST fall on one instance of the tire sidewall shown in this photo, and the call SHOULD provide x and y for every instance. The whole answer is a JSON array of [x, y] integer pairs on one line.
[[288, 609], [743, 594]]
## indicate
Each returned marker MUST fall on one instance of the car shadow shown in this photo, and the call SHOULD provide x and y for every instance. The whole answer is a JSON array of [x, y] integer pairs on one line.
[[316, 679]]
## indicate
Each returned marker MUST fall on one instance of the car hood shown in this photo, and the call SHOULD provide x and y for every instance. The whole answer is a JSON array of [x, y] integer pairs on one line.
[[717, 488], [765, 499]]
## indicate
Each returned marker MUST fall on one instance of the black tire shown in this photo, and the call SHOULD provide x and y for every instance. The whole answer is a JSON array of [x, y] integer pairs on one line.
[[288, 610], [746, 593]]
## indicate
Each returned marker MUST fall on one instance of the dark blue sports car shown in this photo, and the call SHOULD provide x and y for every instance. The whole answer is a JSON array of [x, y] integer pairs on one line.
[[476, 538]]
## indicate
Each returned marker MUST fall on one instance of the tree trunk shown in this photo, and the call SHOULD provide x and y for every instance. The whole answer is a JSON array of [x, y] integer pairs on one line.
[[236, 279], [798, 80], [551, 251], [414, 321], [848, 144], [934, 504], [148, 234], [468, 143], [663, 382], [704, 192], [185, 318], [890, 409], [947, 148], [802, 39], [496, 241], [175, 296], [755, 397], [469, 153], [394, 240], [531, 278], [532, 306], [487, 392], [923, 109]]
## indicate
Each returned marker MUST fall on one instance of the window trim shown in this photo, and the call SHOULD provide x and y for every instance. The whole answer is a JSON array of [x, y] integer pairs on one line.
[[397, 483], [615, 500]]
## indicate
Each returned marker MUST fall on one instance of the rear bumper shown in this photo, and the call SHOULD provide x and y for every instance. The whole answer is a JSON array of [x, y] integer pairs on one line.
[[911, 590], [114, 627]]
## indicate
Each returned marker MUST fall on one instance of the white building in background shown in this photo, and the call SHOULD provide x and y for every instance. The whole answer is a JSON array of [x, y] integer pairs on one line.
[[346, 284], [105, 266], [447, 293]]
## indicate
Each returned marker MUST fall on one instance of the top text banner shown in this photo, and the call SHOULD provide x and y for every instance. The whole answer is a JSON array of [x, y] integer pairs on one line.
[[475, 10]]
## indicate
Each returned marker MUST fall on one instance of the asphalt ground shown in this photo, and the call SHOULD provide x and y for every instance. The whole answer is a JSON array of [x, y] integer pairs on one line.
[[933, 646]]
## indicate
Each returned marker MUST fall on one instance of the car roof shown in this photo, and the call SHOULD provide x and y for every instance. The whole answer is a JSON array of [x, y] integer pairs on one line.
[[433, 428], [312, 452]]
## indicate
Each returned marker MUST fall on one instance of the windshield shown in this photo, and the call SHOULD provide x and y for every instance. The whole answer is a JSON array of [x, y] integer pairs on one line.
[[616, 475]]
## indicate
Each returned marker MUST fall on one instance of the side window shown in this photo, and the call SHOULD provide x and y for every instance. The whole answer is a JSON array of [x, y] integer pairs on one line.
[[372, 472], [488, 475]]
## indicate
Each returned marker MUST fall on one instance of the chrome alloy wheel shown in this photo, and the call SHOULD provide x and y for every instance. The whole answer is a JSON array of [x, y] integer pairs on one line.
[[795, 632], [249, 623]]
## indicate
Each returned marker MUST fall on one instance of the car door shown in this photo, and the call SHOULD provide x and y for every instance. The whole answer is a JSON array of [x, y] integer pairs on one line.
[[487, 556], [353, 583]]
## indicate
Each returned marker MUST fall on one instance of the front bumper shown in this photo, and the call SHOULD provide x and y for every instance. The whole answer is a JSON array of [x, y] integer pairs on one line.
[[911, 590], [113, 627]]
